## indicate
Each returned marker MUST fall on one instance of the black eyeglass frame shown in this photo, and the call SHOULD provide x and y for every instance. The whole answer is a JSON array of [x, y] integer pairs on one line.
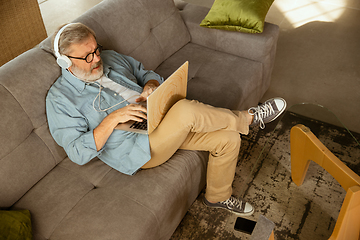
[[99, 47]]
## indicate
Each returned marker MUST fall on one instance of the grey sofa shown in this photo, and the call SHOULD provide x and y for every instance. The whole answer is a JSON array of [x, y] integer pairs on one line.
[[68, 201]]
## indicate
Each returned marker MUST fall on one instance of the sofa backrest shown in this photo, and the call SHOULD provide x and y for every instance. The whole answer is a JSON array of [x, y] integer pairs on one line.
[[148, 30], [27, 150]]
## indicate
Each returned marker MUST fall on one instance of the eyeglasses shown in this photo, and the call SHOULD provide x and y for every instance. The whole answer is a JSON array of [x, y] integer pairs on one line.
[[90, 56]]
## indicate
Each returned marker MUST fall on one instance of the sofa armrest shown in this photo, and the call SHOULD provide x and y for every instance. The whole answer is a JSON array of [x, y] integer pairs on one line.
[[251, 46]]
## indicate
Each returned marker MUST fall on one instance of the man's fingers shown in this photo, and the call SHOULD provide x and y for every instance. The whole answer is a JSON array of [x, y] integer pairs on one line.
[[136, 119], [137, 107], [134, 112], [138, 114]]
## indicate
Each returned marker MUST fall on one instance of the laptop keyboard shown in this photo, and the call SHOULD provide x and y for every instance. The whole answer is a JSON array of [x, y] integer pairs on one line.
[[140, 125]]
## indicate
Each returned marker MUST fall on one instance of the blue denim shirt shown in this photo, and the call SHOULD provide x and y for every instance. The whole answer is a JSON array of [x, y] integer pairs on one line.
[[72, 118]]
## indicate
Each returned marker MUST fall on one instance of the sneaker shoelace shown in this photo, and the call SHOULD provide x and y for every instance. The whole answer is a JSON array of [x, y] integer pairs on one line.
[[233, 203], [261, 112]]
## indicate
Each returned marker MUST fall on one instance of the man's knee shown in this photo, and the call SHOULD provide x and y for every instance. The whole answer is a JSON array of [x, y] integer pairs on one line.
[[185, 109], [229, 141], [233, 139], [185, 105]]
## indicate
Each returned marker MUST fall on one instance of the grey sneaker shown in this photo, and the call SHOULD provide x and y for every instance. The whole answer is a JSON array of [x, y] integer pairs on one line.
[[237, 206], [267, 112]]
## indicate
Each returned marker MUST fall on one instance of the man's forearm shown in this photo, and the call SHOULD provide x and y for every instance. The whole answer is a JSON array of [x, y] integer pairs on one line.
[[152, 84], [103, 131], [149, 87]]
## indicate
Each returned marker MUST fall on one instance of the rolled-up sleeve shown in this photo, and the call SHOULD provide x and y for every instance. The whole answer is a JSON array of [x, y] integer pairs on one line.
[[134, 67], [142, 75]]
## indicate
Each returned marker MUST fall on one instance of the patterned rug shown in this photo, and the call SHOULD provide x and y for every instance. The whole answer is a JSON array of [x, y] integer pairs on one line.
[[307, 212]]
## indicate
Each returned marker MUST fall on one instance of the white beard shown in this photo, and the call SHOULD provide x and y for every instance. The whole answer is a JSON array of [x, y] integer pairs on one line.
[[88, 76]]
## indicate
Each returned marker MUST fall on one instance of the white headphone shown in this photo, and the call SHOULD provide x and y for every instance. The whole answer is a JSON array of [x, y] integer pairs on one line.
[[62, 60]]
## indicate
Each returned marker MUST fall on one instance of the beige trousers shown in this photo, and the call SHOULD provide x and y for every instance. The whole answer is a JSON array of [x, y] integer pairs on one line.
[[192, 125]]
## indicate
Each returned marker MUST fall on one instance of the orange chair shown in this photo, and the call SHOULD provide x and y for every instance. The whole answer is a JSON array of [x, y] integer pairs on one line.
[[272, 236], [305, 146]]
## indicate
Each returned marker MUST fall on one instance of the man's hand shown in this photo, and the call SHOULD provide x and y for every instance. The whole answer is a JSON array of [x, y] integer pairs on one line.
[[135, 112], [103, 131], [149, 87]]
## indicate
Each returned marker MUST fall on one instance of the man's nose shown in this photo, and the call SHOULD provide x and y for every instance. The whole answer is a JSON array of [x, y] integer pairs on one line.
[[96, 58]]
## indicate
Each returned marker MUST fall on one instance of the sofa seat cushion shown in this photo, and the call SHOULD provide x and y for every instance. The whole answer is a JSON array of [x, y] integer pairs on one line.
[[94, 200], [218, 78]]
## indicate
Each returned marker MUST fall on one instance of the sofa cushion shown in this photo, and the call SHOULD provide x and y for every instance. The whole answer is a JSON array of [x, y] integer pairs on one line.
[[28, 151], [210, 81], [15, 225], [251, 46], [149, 31], [93, 200], [28, 78], [238, 15], [52, 198]]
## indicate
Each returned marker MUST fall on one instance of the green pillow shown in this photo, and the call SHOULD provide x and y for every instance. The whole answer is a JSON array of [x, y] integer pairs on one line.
[[15, 225], [238, 15]]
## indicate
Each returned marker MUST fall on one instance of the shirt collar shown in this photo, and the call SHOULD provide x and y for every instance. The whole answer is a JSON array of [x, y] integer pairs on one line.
[[77, 83]]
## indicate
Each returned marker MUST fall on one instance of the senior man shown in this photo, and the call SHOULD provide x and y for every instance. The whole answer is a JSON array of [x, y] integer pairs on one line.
[[100, 89]]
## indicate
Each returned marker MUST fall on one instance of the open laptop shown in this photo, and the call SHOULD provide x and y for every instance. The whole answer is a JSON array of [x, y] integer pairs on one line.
[[160, 101]]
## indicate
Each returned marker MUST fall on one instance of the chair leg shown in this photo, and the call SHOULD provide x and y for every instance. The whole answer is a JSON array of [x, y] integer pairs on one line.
[[348, 223], [305, 146], [272, 237], [301, 150]]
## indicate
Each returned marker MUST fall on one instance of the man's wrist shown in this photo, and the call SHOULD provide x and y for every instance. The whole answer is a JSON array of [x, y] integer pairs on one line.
[[152, 83]]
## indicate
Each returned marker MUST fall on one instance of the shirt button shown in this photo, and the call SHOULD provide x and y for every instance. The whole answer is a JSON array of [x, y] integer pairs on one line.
[[115, 94]]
